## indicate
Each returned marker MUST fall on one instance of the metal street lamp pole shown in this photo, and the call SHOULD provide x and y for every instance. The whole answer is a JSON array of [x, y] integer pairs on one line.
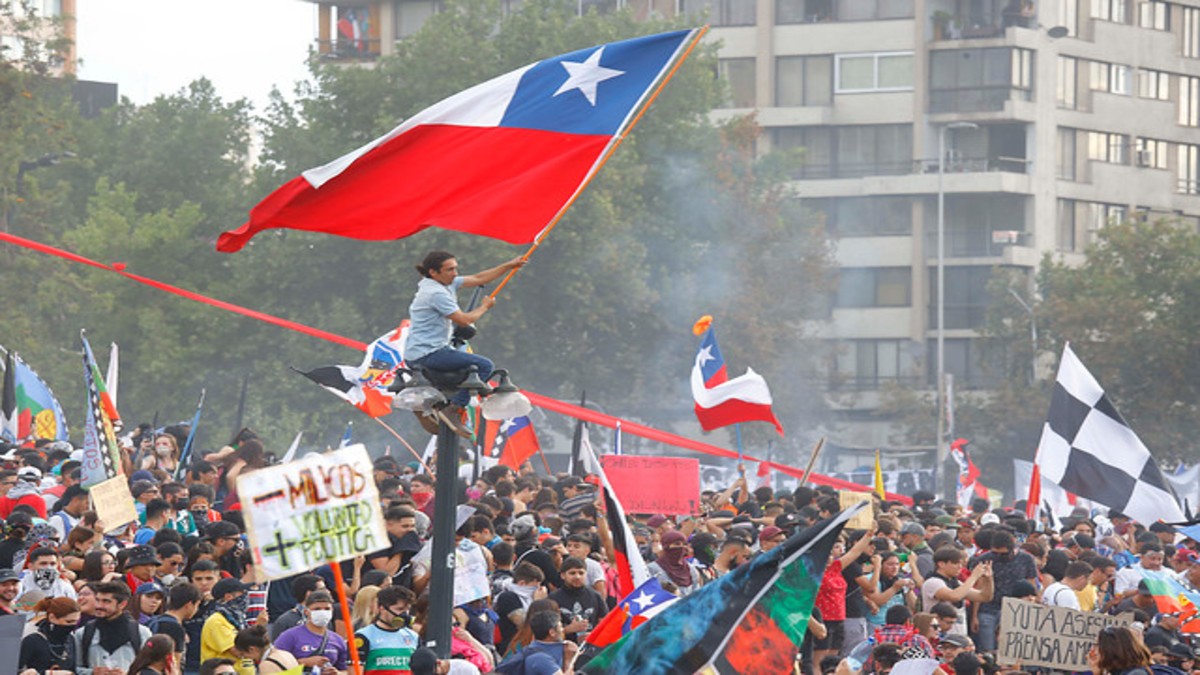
[[1033, 337], [441, 562], [941, 297]]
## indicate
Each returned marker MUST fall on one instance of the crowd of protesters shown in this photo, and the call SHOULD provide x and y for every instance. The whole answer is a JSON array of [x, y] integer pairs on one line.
[[174, 592]]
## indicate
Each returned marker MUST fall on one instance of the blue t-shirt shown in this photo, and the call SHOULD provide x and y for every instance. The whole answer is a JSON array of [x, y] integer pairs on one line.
[[429, 315], [144, 535]]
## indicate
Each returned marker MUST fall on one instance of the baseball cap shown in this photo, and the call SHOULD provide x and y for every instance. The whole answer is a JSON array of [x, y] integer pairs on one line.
[[989, 519], [150, 587], [8, 575], [222, 529], [787, 520], [31, 474], [1154, 527], [769, 532], [955, 640], [570, 481], [423, 660], [226, 586], [142, 474], [912, 528]]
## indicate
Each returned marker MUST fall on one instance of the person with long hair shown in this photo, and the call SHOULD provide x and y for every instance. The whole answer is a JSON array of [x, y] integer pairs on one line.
[[148, 601], [99, 566], [365, 607], [48, 649], [164, 455], [157, 657], [250, 455], [80, 541], [1119, 651]]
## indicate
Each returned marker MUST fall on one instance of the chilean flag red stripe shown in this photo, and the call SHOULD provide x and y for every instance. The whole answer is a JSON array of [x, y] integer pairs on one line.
[[502, 159], [720, 401]]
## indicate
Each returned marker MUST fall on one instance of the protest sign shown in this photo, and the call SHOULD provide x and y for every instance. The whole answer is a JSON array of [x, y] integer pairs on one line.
[[113, 503], [316, 510], [1053, 637], [864, 519], [666, 485]]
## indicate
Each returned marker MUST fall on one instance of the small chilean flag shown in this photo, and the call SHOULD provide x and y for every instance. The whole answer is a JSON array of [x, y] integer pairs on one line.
[[721, 401], [502, 159]]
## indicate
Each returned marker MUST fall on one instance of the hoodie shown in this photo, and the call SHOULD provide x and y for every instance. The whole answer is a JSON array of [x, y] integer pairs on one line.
[[23, 492]]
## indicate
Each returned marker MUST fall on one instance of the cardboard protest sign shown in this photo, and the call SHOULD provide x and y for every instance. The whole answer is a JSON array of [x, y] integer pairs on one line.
[[11, 629], [666, 485], [316, 510], [1053, 637], [113, 503], [864, 519]]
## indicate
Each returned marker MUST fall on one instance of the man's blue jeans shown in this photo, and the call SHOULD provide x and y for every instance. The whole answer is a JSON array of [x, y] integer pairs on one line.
[[989, 625], [449, 358]]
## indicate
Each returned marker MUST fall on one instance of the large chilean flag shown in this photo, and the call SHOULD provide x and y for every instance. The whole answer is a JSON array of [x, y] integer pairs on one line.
[[721, 401], [503, 159]]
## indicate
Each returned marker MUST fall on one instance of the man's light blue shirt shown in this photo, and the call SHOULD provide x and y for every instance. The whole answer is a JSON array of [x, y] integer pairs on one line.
[[429, 317]]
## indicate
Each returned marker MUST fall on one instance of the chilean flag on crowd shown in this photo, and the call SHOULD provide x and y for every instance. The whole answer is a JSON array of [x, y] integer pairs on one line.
[[503, 159], [969, 485], [721, 401], [510, 441]]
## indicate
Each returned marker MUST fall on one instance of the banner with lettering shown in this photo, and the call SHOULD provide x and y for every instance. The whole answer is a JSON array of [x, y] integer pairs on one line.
[[316, 510], [666, 485]]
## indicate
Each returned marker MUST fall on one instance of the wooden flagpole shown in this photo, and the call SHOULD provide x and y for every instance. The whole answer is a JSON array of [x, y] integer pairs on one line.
[[812, 460], [401, 439], [603, 160]]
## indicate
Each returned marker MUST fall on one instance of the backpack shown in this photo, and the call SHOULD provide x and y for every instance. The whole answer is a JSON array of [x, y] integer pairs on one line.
[[157, 620], [89, 632]]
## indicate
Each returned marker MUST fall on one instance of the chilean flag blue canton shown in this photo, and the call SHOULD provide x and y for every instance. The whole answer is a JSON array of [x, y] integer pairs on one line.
[[503, 159], [721, 401]]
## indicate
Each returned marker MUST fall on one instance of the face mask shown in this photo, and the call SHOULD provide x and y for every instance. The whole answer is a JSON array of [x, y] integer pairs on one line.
[[474, 493], [401, 620], [421, 499], [168, 579], [321, 617], [45, 578], [163, 451]]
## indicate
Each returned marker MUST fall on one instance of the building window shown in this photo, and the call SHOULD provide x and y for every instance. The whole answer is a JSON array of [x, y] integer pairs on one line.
[[1150, 153], [858, 73], [978, 225], [739, 74], [1066, 240], [411, 16], [1154, 14], [850, 151], [874, 287], [723, 12], [1113, 78], [964, 359], [1108, 147], [868, 364], [1189, 101], [1190, 36], [1110, 10], [1154, 84], [967, 296], [817, 11], [975, 80], [866, 216], [1068, 82], [803, 80], [1188, 169], [1066, 153], [1064, 13]]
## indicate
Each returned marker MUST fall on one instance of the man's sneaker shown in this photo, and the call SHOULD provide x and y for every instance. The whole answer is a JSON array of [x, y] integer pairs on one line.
[[428, 422]]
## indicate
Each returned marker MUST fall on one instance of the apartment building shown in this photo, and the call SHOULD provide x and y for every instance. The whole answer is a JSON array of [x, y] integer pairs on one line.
[[1056, 116]]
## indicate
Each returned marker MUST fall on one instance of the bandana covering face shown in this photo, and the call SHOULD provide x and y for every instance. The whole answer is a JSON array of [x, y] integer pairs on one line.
[[45, 578], [674, 560]]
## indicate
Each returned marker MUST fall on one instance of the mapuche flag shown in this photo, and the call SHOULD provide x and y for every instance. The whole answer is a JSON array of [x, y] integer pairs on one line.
[[101, 456], [27, 406], [632, 570], [503, 159], [751, 620], [365, 386]]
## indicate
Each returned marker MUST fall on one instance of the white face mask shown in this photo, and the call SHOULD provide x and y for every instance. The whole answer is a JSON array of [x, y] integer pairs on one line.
[[321, 617], [163, 450], [168, 579]]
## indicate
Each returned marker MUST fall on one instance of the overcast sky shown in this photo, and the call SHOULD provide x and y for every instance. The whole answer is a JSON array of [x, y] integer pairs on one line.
[[152, 47]]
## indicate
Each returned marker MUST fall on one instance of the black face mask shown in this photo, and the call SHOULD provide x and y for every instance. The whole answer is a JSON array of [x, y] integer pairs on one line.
[[58, 634]]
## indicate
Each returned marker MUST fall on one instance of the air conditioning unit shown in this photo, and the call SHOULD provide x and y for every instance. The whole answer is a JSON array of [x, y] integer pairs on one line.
[[1144, 158]]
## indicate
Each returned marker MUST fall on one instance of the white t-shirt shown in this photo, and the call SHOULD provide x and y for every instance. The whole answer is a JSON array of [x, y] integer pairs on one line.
[[928, 592], [1059, 594]]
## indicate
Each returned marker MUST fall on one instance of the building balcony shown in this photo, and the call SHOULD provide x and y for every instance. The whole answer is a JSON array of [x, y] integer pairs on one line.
[[980, 19], [349, 50]]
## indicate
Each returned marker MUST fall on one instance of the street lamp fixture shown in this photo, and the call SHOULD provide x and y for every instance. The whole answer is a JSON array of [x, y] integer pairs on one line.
[[941, 294]]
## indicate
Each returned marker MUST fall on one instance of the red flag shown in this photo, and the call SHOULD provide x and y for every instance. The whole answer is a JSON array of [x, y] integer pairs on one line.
[[1035, 492]]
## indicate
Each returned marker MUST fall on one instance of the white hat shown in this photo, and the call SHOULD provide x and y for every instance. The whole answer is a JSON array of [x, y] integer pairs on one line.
[[30, 473], [989, 518]]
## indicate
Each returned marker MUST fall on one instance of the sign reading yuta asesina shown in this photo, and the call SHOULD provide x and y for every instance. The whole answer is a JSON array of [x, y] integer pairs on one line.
[[315, 510], [1054, 637]]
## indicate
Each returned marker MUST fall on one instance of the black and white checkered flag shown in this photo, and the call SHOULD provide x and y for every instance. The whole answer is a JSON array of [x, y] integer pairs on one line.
[[1089, 449]]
